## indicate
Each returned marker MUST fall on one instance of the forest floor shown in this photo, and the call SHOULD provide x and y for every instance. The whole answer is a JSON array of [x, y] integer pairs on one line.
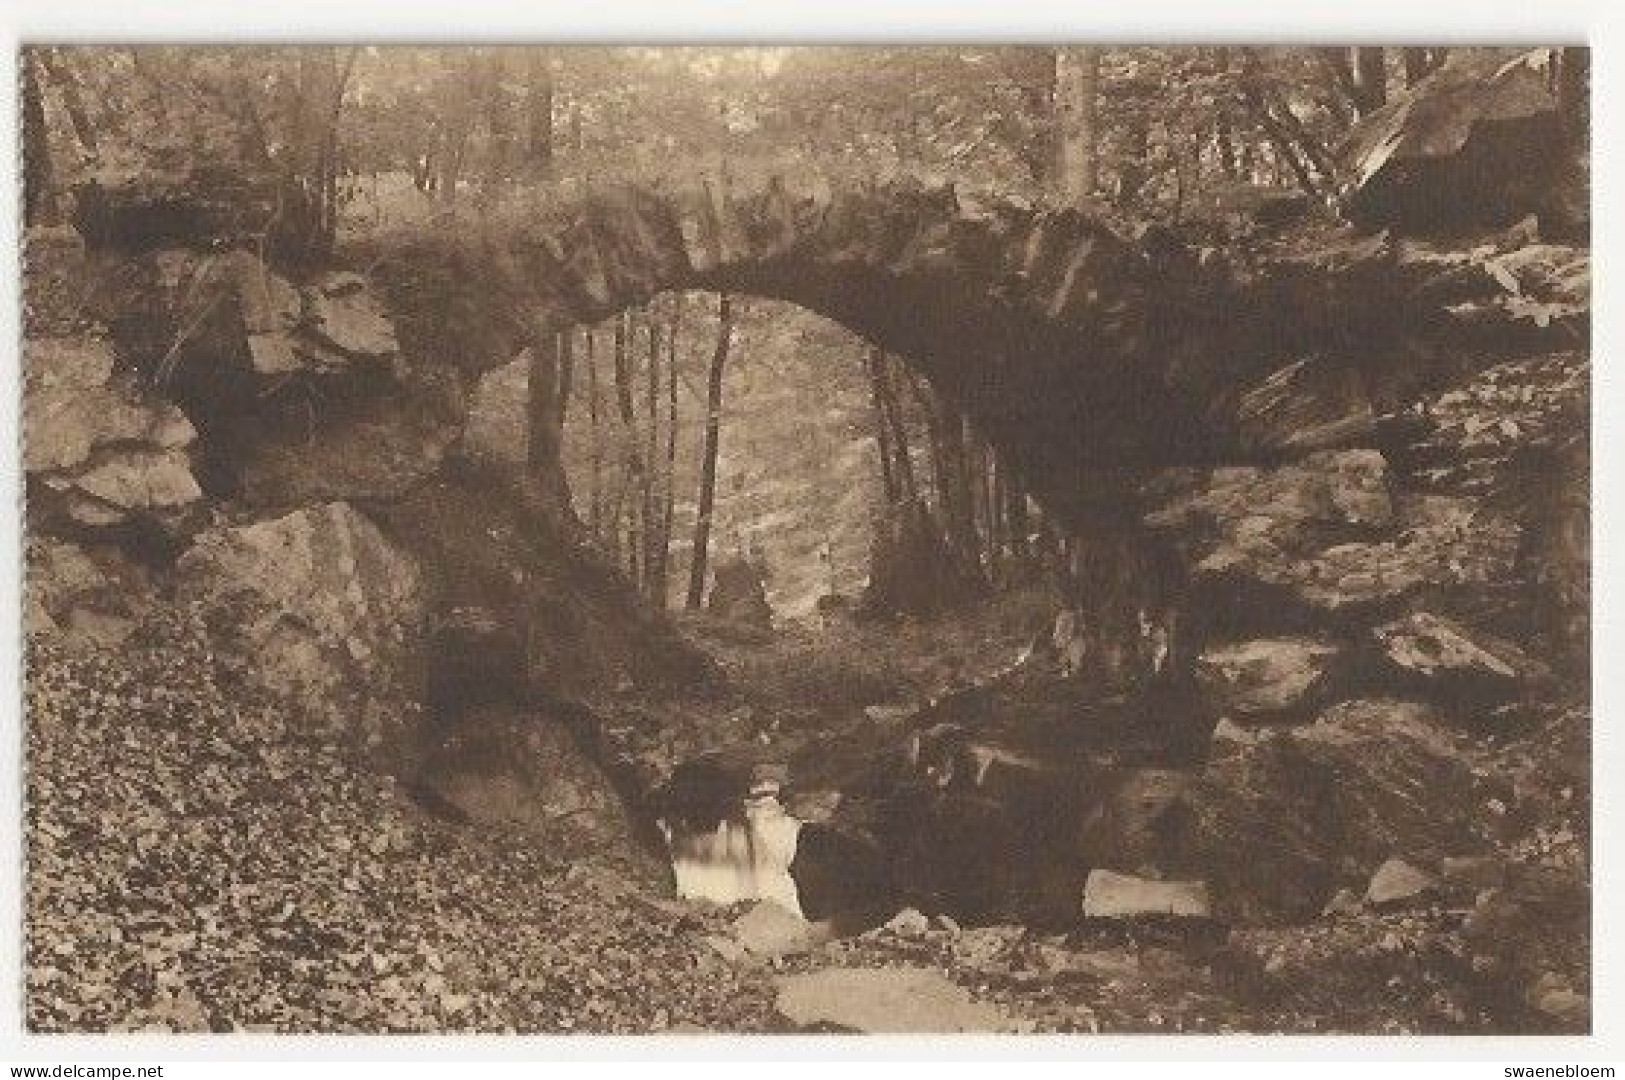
[[198, 860]]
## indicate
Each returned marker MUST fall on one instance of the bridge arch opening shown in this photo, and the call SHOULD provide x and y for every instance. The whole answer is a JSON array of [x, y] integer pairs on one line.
[[1087, 360], [1083, 356]]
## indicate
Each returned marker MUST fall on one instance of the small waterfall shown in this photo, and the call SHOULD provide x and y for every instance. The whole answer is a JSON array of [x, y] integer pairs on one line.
[[740, 860]]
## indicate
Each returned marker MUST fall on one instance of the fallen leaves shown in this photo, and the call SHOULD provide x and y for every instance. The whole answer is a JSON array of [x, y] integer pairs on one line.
[[197, 863]]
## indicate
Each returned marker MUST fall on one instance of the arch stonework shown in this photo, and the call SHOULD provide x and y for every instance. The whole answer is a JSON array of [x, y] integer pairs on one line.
[[1083, 356]]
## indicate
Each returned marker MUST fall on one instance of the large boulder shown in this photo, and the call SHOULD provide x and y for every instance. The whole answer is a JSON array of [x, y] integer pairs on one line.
[[1342, 493], [1313, 404], [1453, 662], [1478, 144], [1365, 969], [317, 605], [54, 283], [769, 931], [891, 1001], [98, 450], [1396, 882], [518, 769], [90, 593], [1277, 825], [496, 428], [1276, 679], [840, 872], [1248, 531], [300, 388], [1274, 550]]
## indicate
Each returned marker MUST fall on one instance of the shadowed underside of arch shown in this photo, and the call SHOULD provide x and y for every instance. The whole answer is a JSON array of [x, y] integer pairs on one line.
[[1084, 357]]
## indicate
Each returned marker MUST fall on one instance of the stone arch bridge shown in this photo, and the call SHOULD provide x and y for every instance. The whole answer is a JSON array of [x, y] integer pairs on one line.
[[1084, 356]]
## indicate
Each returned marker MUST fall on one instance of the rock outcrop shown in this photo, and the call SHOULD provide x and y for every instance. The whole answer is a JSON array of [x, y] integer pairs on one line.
[[520, 770], [1325, 509], [1479, 143], [1266, 545], [1397, 881], [895, 1001], [1109, 895], [101, 454], [1512, 962], [316, 605], [1323, 806], [90, 593], [1438, 655], [300, 389], [1301, 348], [1271, 680]]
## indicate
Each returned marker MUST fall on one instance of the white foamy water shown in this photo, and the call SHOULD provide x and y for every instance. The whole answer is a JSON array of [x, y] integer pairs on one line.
[[749, 861]]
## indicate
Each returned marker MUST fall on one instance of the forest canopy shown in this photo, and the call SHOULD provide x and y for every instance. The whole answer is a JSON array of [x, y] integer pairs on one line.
[[1142, 132]]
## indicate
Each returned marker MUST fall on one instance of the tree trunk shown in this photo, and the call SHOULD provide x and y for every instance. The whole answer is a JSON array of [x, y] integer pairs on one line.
[[61, 74], [1255, 94], [1132, 170], [37, 178], [539, 110], [1077, 97], [1370, 78], [542, 412], [651, 507], [566, 376], [708, 460], [892, 413], [668, 508], [1574, 91], [595, 452], [629, 435], [1420, 63], [889, 487]]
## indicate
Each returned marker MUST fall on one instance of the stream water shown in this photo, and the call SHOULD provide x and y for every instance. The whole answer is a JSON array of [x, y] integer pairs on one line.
[[740, 860]]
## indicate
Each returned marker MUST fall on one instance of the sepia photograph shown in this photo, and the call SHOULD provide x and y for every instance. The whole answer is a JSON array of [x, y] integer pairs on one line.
[[643, 540]]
